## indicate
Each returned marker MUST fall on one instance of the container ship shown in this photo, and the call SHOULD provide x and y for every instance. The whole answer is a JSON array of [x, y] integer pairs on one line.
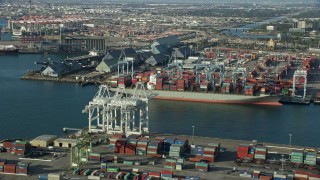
[[232, 80], [8, 49], [211, 97]]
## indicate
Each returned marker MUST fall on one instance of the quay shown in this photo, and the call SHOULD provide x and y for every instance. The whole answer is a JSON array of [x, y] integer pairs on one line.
[[222, 168]]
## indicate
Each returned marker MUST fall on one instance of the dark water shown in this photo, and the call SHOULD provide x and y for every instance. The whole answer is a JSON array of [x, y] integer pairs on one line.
[[240, 31], [31, 108]]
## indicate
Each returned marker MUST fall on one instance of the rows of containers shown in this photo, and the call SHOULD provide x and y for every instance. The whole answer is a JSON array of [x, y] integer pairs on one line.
[[260, 153], [117, 173], [14, 168], [135, 145], [296, 175], [16, 147]]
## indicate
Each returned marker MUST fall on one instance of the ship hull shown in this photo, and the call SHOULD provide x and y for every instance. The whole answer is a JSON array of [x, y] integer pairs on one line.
[[214, 98], [217, 98], [15, 51]]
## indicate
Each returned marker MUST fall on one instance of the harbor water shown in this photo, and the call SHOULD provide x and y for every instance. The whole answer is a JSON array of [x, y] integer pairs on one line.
[[32, 108]]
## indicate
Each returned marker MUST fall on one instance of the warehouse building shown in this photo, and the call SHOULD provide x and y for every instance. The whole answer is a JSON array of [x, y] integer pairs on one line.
[[64, 142], [43, 140]]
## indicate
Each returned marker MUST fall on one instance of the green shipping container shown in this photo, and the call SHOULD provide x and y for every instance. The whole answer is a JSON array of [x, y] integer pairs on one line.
[[169, 167], [171, 160], [114, 169], [128, 162], [87, 172], [202, 164]]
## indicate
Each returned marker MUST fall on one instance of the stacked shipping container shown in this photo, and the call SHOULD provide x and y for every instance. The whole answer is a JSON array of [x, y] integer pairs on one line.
[[22, 168], [310, 158], [94, 156], [142, 147], [260, 153], [297, 156], [202, 166]]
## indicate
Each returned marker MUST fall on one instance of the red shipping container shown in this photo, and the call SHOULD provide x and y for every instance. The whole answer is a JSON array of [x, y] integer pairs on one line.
[[166, 172], [265, 177], [170, 163], [301, 172], [10, 168], [8, 145], [208, 159], [154, 155], [300, 178], [118, 136], [154, 174]]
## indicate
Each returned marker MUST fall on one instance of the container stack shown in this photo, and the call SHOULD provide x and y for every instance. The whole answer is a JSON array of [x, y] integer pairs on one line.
[[43, 177], [142, 147], [159, 83], [114, 139], [179, 165], [260, 153], [244, 173], [280, 177], [10, 168], [128, 162], [22, 168], [103, 166], [301, 175], [8, 145], [255, 174], [202, 166], [167, 143], [180, 85], [20, 147], [176, 150], [94, 156], [209, 153], [2, 163], [242, 151], [266, 176], [153, 149], [166, 174], [310, 158], [297, 156], [161, 139], [113, 169], [131, 146], [124, 81], [314, 176], [154, 174], [170, 164], [54, 176], [120, 146]]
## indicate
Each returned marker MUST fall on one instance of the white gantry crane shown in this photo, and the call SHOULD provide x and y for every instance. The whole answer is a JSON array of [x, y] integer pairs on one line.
[[124, 112], [95, 107], [300, 79]]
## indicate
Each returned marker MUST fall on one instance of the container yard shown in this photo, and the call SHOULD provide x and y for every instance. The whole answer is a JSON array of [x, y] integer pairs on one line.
[[166, 156]]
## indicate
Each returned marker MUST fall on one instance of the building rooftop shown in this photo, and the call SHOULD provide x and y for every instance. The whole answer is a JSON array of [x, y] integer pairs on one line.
[[45, 137], [65, 140]]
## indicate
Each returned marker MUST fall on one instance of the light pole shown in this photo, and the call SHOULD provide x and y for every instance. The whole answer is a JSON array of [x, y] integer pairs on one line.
[[192, 134], [282, 163]]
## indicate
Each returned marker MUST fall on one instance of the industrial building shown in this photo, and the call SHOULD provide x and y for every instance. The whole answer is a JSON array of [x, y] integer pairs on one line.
[[63, 142], [43, 140], [83, 43]]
